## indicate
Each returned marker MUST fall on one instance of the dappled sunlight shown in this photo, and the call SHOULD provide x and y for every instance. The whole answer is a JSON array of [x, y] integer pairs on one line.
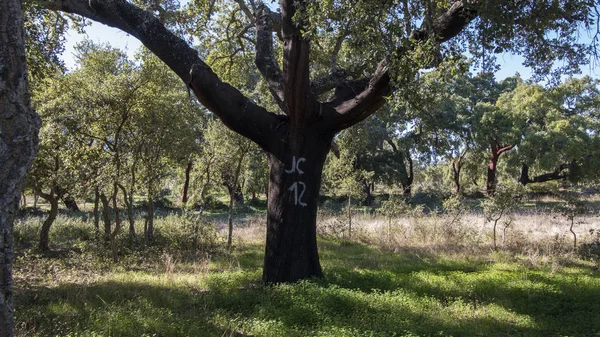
[[366, 291]]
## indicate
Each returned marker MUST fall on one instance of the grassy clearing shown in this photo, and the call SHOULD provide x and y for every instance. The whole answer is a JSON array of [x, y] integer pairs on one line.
[[427, 277]]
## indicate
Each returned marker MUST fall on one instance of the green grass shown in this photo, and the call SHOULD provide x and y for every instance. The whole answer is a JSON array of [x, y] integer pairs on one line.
[[366, 291]]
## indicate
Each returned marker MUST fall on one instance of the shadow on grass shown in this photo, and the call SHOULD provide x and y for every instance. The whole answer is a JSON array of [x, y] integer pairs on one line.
[[366, 292]]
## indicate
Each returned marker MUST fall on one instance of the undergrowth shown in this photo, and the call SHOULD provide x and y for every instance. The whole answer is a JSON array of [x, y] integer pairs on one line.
[[431, 275]]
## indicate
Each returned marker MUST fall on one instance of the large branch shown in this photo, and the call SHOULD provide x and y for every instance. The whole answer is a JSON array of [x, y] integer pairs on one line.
[[359, 107], [325, 83], [557, 174], [229, 104], [296, 59], [265, 57]]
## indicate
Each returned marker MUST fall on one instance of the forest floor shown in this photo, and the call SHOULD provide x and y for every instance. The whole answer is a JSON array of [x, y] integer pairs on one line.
[[427, 275]]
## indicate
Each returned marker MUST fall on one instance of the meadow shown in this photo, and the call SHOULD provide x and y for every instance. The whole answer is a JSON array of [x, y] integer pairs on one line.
[[416, 274]]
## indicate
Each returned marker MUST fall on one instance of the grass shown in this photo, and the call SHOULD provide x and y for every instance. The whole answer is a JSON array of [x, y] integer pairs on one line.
[[413, 282]]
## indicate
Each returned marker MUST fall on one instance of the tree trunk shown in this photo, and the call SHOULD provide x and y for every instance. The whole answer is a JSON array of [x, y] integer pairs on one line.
[[456, 166], [106, 216], [232, 196], [349, 216], [230, 219], [496, 151], [186, 185], [19, 125], [574, 235], [71, 204], [128, 197], [45, 231], [117, 229], [367, 190], [149, 228], [407, 183], [96, 213], [294, 182]]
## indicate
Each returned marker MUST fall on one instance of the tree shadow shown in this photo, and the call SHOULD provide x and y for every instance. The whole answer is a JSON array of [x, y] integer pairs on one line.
[[366, 292]]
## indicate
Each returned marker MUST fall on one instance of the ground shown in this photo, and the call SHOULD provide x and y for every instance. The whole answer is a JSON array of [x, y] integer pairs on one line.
[[425, 275]]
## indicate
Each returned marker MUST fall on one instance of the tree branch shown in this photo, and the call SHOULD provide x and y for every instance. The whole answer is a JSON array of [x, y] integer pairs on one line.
[[296, 65], [323, 84], [359, 107], [229, 104], [504, 149], [265, 57]]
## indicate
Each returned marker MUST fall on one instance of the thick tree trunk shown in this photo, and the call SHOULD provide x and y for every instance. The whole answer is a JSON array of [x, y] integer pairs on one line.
[[294, 182], [45, 231], [106, 216], [19, 125], [186, 184]]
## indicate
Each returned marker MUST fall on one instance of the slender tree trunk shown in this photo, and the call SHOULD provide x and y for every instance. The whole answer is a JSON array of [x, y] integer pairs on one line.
[[232, 196], [456, 166], [149, 232], [186, 185], [36, 197], [19, 126], [106, 216], [128, 197], [574, 235], [367, 190], [117, 229], [45, 231], [96, 213], [349, 216], [24, 199], [230, 220]]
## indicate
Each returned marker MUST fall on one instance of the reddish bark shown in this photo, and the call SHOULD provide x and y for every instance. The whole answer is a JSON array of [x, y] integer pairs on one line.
[[496, 151]]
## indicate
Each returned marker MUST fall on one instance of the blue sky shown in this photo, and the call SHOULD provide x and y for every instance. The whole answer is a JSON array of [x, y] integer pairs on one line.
[[509, 63]]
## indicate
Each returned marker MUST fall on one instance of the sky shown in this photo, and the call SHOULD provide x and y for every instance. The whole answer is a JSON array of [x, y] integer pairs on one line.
[[509, 64]]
